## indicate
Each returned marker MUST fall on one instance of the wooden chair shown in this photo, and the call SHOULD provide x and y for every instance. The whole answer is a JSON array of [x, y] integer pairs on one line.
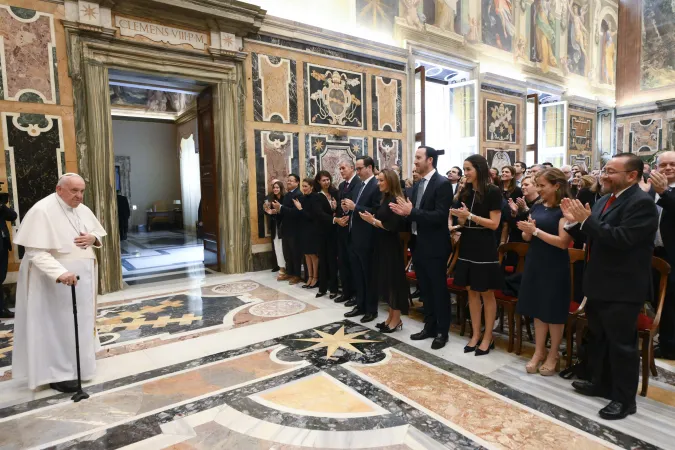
[[459, 291], [506, 301], [647, 326], [576, 255]]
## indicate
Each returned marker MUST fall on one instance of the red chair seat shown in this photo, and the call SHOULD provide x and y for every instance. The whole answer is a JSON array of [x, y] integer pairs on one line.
[[411, 275], [452, 285], [645, 322], [574, 306], [509, 269], [502, 296]]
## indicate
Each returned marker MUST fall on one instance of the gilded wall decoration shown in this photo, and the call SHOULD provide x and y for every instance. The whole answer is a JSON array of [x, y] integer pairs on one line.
[[500, 158], [386, 104], [581, 134], [276, 155], [498, 24], [544, 34], [274, 89], [34, 158], [388, 153], [327, 152], [645, 136], [334, 97], [377, 15], [608, 29], [578, 36], [28, 61], [658, 44], [501, 121]]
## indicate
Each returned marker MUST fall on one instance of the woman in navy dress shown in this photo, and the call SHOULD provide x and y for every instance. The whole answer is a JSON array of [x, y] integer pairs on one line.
[[545, 290], [479, 212], [310, 232]]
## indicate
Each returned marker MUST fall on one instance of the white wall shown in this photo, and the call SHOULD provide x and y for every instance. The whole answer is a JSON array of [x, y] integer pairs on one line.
[[155, 167]]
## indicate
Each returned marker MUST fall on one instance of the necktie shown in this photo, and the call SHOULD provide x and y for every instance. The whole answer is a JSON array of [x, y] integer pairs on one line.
[[611, 200], [346, 188], [418, 201], [351, 218]]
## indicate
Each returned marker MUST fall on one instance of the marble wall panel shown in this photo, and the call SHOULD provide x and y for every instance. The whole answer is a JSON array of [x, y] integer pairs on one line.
[[34, 156], [388, 152], [327, 152], [501, 121], [28, 56], [580, 140], [335, 97], [645, 136], [275, 96], [499, 158], [620, 132], [276, 155], [386, 97]]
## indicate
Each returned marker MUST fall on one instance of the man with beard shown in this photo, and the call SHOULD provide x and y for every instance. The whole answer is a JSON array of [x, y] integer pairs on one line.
[[619, 232]]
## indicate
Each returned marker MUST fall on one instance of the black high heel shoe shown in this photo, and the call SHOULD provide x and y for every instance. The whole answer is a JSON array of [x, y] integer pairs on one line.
[[387, 330], [379, 326], [469, 348], [480, 352]]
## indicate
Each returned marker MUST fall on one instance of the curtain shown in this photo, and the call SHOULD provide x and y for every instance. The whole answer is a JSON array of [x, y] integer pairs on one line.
[[189, 182]]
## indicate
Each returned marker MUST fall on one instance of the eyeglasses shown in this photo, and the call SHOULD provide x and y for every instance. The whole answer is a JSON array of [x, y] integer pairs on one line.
[[613, 172]]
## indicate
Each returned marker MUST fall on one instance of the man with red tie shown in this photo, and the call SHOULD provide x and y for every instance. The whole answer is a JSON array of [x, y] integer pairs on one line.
[[619, 233]]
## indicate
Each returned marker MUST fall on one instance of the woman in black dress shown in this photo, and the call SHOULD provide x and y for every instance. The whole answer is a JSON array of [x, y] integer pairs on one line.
[[309, 243], [323, 213], [388, 262], [274, 224], [479, 213], [510, 188], [545, 290]]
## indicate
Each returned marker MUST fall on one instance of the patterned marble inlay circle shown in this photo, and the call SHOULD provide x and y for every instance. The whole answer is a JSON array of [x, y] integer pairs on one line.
[[237, 287], [277, 308]]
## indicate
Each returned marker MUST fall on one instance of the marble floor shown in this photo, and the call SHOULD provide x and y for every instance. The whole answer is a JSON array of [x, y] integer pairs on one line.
[[212, 361]]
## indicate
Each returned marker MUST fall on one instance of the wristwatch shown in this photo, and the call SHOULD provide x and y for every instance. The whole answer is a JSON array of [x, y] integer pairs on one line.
[[536, 232]]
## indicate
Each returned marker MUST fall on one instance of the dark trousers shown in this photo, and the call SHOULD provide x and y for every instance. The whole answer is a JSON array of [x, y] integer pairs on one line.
[[363, 280], [4, 259], [124, 229], [613, 348], [292, 254], [432, 280], [667, 324], [345, 267], [328, 263]]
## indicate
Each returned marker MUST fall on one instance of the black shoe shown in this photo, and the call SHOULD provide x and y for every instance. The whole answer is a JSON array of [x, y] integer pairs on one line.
[[369, 317], [67, 387], [333, 296], [388, 330], [469, 348], [354, 312], [480, 352], [439, 341], [589, 389], [319, 294], [351, 303], [660, 353], [617, 410], [341, 299], [276, 269], [424, 334], [6, 314], [305, 286], [416, 293], [381, 325]]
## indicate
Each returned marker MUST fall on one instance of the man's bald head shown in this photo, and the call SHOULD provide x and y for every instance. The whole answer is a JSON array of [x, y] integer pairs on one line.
[[71, 189], [665, 164]]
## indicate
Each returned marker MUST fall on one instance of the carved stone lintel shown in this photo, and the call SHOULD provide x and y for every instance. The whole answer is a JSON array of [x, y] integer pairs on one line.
[[239, 56]]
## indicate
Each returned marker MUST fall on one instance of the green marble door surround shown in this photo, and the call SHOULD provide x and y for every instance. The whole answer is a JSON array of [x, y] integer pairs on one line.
[[91, 53]]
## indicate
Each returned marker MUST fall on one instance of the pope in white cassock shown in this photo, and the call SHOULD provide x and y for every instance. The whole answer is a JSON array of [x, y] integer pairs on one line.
[[58, 234]]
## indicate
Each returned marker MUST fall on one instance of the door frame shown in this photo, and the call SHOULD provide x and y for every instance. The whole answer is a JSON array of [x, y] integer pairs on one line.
[[91, 54]]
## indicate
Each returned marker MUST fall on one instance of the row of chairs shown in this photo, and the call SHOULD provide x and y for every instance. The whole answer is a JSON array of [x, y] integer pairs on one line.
[[647, 326]]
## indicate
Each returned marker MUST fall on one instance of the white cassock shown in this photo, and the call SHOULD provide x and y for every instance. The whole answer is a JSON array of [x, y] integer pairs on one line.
[[44, 331]]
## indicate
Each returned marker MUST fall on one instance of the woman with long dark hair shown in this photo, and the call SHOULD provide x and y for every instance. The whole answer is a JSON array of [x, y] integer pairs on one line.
[[388, 261], [310, 232], [510, 189], [274, 220], [323, 213], [477, 269], [545, 289]]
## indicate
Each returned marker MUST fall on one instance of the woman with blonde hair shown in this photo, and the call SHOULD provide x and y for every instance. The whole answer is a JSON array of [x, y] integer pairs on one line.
[[545, 288]]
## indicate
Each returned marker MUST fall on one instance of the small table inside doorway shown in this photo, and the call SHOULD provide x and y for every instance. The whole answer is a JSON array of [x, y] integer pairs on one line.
[[175, 218]]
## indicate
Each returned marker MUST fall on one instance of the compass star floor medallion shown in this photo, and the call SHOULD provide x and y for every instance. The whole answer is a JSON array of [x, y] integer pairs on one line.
[[333, 342]]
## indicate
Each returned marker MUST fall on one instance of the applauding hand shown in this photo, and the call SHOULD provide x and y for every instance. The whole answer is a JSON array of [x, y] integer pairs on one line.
[[461, 213], [367, 217], [297, 204], [528, 227], [574, 210], [658, 181], [402, 207]]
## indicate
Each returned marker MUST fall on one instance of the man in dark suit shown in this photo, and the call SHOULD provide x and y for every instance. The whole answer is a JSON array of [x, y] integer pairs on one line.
[[291, 230], [662, 181], [7, 214], [619, 233], [123, 214], [454, 175], [346, 190], [362, 235], [428, 214]]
